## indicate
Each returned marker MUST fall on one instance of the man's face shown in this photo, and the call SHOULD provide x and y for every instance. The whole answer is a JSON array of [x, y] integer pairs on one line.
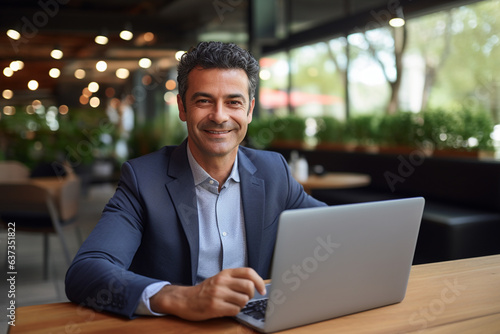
[[217, 112]]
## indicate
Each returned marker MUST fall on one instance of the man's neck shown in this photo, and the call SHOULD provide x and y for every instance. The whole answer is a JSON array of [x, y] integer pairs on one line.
[[218, 167]]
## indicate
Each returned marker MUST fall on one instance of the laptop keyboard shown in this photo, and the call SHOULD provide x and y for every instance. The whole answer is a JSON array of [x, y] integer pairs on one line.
[[256, 309]]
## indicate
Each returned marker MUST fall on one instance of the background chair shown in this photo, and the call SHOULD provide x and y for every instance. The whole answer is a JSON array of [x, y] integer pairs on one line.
[[41, 205], [11, 170]]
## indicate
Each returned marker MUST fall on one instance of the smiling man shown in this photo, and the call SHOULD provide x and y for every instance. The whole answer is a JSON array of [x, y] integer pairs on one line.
[[191, 229], [217, 109]]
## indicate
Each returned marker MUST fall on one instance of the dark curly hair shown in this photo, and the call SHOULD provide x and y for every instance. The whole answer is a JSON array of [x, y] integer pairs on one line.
[[208, 55]]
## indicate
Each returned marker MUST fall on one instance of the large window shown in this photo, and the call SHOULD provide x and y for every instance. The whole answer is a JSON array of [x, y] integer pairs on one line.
[[459, 50], [318, 76], [371, 66], [447, 59], [274, 84]]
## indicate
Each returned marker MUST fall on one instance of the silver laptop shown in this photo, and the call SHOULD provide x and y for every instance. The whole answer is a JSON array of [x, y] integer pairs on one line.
[[337, 260]]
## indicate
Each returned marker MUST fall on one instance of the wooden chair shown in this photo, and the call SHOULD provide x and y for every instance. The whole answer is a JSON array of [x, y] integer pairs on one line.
[[11, 170], [42, 206]]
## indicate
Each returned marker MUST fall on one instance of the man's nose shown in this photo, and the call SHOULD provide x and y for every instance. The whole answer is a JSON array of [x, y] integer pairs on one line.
[[219, 114]]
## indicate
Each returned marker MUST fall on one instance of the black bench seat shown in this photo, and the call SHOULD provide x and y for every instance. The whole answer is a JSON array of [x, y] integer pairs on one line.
[[461, 217]]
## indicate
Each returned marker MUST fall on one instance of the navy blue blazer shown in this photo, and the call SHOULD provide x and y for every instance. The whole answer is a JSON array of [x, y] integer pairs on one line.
[[148, 232]]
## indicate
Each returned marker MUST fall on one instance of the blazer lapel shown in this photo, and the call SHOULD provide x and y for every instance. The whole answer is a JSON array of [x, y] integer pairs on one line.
[[183, 195], [253, 199]]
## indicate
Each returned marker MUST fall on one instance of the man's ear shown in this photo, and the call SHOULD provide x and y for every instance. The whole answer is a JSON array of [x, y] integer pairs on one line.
[[182, 110], [250, 110]]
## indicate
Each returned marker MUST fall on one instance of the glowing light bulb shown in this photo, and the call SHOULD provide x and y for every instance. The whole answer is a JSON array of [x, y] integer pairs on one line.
[[170, 84], [54, 73], [80, 73], [179, 54], [397, 22], [7, 94], [149, 36], [14, 34], [33, 85], [94, 102], [126, 35], [56, 54], [145, 62], [101, 66], [122, 73], [8, 72], [101, 40]]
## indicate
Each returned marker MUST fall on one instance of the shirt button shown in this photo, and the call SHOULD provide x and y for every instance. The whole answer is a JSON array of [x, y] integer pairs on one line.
[[224, 234], [211, 181]]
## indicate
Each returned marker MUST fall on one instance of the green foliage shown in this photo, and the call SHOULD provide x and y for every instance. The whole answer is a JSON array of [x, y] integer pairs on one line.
[[330, 130], [443, 129], [460, 47], [262, 132], [22, 134], [78, 138], [478, 124], [399, 129], [363, 129], [462, 129], [290, 128], [152, 134]]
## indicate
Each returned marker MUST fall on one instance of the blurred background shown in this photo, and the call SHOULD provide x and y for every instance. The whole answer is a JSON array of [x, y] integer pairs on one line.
[[88, 84], [93, 83]]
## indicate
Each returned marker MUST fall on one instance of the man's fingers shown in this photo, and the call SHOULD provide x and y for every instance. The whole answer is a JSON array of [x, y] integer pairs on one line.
[[221, 295], [248, 274]]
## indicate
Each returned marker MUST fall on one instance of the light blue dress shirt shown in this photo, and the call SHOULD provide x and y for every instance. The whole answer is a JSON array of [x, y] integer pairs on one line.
[[221, 225]]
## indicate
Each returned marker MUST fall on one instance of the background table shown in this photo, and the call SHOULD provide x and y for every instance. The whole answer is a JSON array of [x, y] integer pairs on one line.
[[335, 180], [460, 296]]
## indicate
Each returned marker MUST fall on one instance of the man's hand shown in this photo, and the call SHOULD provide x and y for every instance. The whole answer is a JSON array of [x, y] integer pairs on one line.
[[221, 295]]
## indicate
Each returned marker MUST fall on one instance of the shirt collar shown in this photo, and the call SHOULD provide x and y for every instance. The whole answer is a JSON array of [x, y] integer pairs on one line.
[[200, 175]]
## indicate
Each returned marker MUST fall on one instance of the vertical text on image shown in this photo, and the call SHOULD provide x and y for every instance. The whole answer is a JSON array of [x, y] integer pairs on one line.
[[11, 273]]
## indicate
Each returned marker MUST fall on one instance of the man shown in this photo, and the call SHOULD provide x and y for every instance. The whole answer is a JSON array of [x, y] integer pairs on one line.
[[190, 230]]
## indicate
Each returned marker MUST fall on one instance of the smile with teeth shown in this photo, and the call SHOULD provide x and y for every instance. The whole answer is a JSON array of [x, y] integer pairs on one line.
[[217, 132]]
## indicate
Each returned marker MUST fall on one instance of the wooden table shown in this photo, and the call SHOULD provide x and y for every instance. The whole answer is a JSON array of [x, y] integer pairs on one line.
[[335, 180], [460, 296]]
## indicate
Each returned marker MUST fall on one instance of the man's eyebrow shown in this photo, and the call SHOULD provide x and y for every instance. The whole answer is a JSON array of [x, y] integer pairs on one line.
[[201, 94], [229, 96], [236, 96]]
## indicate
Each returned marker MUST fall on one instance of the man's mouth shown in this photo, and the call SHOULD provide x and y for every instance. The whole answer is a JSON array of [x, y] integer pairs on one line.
[[218, 132]]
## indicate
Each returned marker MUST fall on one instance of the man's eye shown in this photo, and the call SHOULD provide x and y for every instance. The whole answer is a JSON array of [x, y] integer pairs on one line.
[[235, 102]]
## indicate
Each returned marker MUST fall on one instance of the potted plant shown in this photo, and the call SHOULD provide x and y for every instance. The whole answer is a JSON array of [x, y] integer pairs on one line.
[[398, 133], [363, 131], [260, 133], [476, 133], [289, 132], [462, 133], [331, 134]]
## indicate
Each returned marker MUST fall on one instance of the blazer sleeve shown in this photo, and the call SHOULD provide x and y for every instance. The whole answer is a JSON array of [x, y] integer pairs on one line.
[[98, 276]]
